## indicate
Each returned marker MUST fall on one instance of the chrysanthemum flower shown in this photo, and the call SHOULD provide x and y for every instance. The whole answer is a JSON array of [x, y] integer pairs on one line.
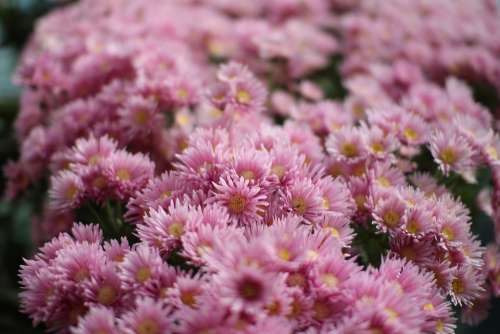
[[140, 267], [451, 151], [139, 117], [247, 288], [148, 317], [66, 191], [98, 320], [164, 229], [128, 172], [105, 289], [186, 291], [328, 274], [303, 199], [465, 286], [90, 151], [78, 263], [244, 202], [389, 213], [347, 143]]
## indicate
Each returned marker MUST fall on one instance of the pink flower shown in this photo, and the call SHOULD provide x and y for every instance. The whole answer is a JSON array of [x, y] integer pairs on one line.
[[160, 192], [66, 191], [98, 320], [244, 202], [346, 143], [451, 151], [148, 317], [164, 229], [465, 286], [139, 117], [303, 199], [91, 151], [246, 288], [388, 213], [140, 267], [128, 172]]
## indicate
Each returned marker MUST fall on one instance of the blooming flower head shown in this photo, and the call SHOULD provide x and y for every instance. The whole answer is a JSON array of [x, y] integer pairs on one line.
[[139, 117], [304, 200], [148, 317], [451, 152], [98, 320], [346, 143], [164, 229], [140, 267], [128, 172], [66, 191], [244, 202], [247, 288]]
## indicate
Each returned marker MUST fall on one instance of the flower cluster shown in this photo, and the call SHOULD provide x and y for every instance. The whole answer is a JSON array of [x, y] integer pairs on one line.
[[245, 189], [276, 279]]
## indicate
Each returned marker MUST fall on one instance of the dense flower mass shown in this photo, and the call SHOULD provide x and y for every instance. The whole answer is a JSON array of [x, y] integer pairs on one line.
[[273, 166]]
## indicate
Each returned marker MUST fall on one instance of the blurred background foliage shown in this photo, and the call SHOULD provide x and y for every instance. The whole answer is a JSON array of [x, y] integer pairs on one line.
[[17, 19]]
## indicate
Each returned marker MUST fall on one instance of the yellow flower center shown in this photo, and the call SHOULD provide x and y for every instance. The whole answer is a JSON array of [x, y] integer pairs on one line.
[[329, 280], [296, 309], [99, 182], [274, 308], [101, 331], [428, 307], [182, 93], [71, 192], [166, 194], [93, 160], [188, 298], [448, 156], [243, 96], [312, 255], [141, 117], [391, 314], [182, 119], [335, 171], [123, 174], [448, 233], [278, 170], [321, 310], [106, 295], [237, 204], [326, 203], [492, 152], [203, 249], [176, 229], [284, 254], [143, 274], [439, 325], [391, 218], [81, 274], [148, 326], [383, 181], [412, 227], [377, 147], [333, 231], [457, 286], [349, 150], [410, 134], [299, 205], [248, 175], [360, 201]]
